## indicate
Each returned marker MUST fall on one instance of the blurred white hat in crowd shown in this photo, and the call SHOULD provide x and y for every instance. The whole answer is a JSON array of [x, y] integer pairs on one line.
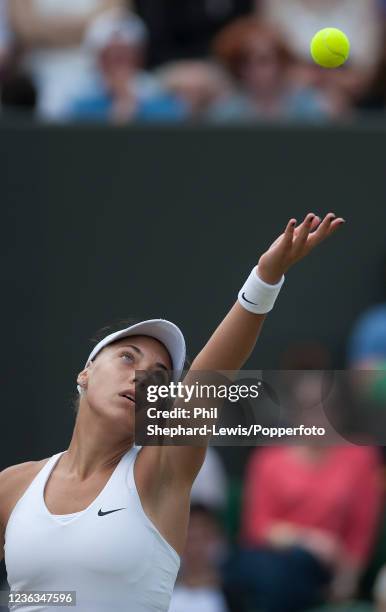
[[118, 25]]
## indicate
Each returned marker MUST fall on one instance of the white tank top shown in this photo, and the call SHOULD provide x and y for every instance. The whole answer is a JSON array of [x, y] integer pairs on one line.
[[115, 561]]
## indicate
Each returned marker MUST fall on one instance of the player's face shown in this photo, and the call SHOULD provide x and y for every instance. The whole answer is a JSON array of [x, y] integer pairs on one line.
[[112, 376]]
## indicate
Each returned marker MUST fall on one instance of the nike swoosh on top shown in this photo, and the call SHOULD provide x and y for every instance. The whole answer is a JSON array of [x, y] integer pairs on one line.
[[249, 301], [101, 513]]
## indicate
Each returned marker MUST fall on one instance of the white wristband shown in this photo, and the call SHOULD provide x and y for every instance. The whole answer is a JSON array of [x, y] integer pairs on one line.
[[258, 296]]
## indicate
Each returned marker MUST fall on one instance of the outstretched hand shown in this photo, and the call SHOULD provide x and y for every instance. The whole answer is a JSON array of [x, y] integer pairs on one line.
[[294, 244]]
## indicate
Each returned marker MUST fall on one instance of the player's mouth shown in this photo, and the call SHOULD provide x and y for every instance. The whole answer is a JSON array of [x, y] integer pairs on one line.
[[130, 398]]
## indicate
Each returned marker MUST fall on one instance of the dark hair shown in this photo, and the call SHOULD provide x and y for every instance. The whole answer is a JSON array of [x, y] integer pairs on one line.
[[230, 46], [101, 333]]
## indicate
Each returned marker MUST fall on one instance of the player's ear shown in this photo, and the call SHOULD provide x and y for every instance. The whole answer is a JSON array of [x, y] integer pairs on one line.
[[82, 379]]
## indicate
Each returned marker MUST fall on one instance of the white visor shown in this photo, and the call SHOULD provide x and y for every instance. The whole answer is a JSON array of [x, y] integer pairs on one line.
[[166, 332]]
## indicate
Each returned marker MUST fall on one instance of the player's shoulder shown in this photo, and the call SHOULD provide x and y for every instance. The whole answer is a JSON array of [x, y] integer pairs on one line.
[[14, 480], [18, 473]]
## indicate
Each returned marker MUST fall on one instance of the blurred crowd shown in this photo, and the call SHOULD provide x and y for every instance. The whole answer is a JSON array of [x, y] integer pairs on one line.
[[215, 60]]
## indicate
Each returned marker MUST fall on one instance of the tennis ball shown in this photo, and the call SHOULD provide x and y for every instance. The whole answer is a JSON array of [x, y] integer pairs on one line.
[[330, 48]]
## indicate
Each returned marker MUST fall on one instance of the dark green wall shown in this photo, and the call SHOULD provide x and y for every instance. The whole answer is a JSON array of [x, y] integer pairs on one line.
[[103, 223]]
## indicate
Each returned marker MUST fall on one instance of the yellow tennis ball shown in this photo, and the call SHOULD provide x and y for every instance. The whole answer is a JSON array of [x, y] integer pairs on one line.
[[330, 48]]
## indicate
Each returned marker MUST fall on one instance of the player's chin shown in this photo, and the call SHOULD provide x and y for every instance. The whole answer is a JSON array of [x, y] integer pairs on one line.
[[122, 411], [116, 408]]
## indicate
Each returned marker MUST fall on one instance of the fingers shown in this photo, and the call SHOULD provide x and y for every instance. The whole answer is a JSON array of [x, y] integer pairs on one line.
[[309, 233], [290, 229], [336, 224], [327, 227], [288, 235], [302, 232], [315, 223]]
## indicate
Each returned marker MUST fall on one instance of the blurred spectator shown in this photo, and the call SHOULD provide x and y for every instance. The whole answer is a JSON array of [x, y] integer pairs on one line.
[[306, 355], [184, 29], [199, 84], [6, 38], [198, 586], [366, 356], [210, 486], [261, 64], [375, 97], [367, 341], [51, 34], [309, 520], [122, 91], [299, 20]]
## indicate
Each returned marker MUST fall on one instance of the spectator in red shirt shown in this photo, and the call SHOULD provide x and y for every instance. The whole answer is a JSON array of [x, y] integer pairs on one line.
[[308, 523], [309, 512]]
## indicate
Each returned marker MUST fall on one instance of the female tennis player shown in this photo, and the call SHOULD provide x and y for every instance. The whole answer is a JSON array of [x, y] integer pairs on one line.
[[104, 518]]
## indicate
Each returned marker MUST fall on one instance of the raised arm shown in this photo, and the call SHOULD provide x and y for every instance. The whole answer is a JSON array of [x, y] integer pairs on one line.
[[233, 341]]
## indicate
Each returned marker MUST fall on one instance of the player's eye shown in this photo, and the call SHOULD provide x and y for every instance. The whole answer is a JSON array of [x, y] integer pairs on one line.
[[129, 356]]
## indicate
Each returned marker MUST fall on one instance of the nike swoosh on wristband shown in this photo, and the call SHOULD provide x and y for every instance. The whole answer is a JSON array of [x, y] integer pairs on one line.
[[249, 301], [101, 513]]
